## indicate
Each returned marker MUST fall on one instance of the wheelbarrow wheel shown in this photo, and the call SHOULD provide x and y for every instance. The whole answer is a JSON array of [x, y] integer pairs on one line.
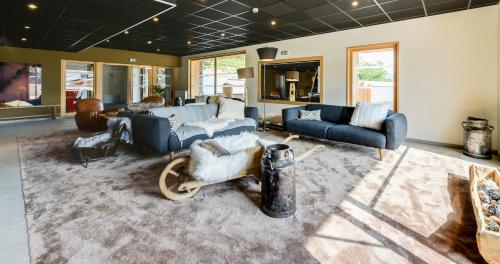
[[174, 174]]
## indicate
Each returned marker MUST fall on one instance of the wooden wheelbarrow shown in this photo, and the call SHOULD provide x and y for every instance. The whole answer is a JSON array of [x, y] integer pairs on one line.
[[177, 185]]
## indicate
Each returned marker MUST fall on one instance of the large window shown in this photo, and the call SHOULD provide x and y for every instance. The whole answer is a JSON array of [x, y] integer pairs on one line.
[[79, 83], [165, 81], [373, 74], [209, 76]]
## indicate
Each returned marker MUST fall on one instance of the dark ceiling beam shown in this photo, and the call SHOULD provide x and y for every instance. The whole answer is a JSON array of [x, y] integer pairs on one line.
[[385, 13], [59, 15], [425, 7], [344, 12]]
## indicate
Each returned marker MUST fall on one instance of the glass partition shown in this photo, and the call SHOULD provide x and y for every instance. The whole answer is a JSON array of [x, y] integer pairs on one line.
[[79, 83], [292, 81]]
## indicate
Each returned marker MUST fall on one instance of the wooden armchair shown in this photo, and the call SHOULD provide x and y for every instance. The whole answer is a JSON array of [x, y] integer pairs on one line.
[[90, 114]]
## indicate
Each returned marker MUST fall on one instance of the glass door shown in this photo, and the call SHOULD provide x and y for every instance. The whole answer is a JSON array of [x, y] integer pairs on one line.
[[165, 81], [79, 83], [141, 82], [115, 86]]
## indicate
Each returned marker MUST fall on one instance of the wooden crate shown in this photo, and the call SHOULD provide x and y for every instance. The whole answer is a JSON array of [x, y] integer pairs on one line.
[[488, 241]]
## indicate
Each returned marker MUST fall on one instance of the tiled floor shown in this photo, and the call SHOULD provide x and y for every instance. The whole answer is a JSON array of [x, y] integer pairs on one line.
[[14, 240]]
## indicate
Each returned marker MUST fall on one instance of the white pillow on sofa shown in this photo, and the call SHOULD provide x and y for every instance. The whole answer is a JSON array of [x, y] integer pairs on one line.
[[370, 115], [229, 108]]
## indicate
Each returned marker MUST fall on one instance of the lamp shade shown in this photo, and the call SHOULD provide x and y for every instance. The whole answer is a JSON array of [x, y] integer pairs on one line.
[[245, 73], [267, 53], [292, 76]]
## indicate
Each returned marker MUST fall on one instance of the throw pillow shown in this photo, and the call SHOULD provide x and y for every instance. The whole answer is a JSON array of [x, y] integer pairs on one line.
[[201, 99], [229, 108], [215, 99], [369, 115], [310, 115], [175, 123]]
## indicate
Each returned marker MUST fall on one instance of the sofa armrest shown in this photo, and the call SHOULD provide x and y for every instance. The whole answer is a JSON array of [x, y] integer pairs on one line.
[[396, 128], [289, 114], [151, 131], [253, 113]]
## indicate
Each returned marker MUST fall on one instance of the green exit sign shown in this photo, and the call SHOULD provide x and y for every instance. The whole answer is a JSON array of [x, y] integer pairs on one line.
[[284, 52]]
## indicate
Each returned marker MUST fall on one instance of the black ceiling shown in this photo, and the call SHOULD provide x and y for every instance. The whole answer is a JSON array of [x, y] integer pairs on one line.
[[73, 25]]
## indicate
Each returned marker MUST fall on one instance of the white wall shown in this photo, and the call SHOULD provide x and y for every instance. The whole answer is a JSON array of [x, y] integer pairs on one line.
[[448, 68]]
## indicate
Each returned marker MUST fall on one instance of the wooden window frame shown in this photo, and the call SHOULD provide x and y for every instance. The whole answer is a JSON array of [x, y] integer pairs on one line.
[[387, 45], [302, 59], [213, 56]]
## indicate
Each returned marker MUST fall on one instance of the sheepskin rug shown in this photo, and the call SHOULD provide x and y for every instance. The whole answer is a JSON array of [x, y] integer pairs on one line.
[[413, 207], [204, 165]]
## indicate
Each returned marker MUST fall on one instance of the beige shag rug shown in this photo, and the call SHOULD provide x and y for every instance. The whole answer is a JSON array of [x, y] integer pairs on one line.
[[413, 207]]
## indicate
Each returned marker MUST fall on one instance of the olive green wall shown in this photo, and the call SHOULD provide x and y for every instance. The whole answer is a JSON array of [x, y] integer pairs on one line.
[[51, 64]]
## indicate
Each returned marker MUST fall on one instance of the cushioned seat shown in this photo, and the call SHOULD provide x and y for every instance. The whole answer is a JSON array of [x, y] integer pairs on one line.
[[309, 127], [357, 135]]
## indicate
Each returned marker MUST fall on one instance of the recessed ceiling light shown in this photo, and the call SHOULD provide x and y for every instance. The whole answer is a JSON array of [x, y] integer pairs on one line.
[[156, 19], [158, 50], [222, 34], [255, 10], [27, 27], [32, 6], [273, 22], [355, 3], [149, 42], [189, 42], [24, 39], [125, 32], [107, 40]]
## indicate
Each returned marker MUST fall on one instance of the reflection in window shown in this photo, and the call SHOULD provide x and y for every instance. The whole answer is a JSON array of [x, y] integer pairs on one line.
[[373, 74], [291, 81], [79, 83]]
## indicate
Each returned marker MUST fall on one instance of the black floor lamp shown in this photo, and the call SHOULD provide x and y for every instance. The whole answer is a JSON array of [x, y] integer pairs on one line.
[[266, 54]]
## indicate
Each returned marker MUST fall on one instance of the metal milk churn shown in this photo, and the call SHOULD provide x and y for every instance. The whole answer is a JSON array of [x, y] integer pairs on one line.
[[477, 138], [278, 183]]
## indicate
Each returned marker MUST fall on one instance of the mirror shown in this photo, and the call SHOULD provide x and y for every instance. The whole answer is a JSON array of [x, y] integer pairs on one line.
[[291, 81]]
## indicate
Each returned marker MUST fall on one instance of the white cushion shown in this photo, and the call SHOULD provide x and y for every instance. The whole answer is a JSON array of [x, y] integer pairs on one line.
[[229, 108], [369, 115]]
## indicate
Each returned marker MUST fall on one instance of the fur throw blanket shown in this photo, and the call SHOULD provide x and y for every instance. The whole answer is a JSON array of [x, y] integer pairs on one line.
[[211, 125], [210, 166]]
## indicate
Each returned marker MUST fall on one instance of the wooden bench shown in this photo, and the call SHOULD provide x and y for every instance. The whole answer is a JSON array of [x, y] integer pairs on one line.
[[21, 112]]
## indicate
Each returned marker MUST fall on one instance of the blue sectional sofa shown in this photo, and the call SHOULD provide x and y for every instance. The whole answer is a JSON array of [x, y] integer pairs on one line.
[[334, 125], [152, 129]]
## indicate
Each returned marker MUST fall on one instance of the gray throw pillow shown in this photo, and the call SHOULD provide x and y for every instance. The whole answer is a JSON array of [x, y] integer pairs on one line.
[[175, 122], [310, 115]]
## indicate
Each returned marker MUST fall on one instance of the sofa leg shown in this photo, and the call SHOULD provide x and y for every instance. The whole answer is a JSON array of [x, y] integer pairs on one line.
[[171, 155], [381, 154]]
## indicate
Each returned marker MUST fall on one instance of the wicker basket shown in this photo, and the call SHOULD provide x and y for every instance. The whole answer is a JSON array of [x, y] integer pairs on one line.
[[100, 151], [488, 242]]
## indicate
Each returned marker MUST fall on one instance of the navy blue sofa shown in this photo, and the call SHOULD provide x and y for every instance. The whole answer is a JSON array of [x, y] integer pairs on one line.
[[334, 125], [152, 129]]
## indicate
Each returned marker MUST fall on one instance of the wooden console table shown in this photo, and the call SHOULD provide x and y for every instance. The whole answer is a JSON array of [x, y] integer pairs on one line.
[[20, 112]]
